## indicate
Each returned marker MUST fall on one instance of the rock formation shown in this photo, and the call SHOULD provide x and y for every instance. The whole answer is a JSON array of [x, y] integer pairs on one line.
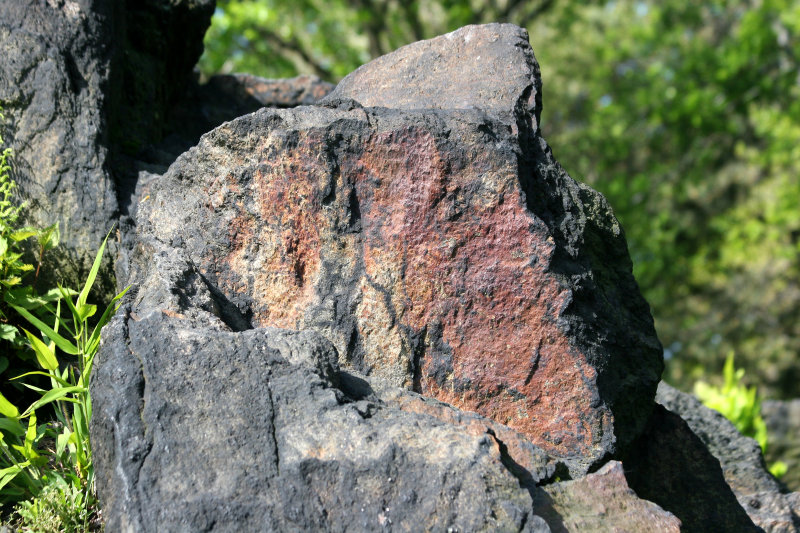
[[436, 245], [743, 469], [783, 426], [391, 310]]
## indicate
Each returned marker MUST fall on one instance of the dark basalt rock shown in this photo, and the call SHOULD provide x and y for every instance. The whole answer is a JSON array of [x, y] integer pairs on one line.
[[601, 502], [98, 94], [202, 429], [83, 82], [53, 80], [742, 463], [431, 253], [783, 426], [670, 465], [443, 250]]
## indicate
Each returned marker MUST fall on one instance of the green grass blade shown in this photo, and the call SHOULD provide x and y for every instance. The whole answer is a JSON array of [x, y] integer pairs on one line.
[[94, 339], [93, 272], [60, 341], [44, 355], [65, 297], [60, 380], [52, 396], [7, 475]]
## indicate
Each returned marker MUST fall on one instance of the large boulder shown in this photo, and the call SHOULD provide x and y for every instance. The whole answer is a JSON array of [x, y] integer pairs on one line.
[[83, 82], [203, 429], [430, 245], [53, 80], [443, 250]]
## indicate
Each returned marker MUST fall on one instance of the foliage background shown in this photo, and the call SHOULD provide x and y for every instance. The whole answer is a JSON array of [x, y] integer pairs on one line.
[[686, 115]]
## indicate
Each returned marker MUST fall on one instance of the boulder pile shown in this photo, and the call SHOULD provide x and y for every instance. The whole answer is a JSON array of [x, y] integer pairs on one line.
[[382, 306]]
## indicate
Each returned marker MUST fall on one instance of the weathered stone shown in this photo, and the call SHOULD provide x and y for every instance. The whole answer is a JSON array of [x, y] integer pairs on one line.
[[201, 429], [670, 465], [741, 461], [442, 250], [601, 502], [81, 82], [783, 427], [493, 63], [200, 109], [53, 77]]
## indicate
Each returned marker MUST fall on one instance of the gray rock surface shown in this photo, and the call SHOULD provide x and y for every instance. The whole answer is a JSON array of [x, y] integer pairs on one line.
[[493, 65], [84, 82], [201, 429], [53, 84], [337, 220], [741, 461], [308, 218], [601, 502], [671, 467], [783, 427], [302, 275]]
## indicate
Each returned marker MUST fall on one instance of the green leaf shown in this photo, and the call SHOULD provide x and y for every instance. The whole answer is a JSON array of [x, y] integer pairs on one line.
[[7, 332], [12, 426], [7, 408], [52, 396], [22, 234], [49, 237], [44, 355], [30, 437], [54, 376], [3, 363], [7, 475], [56, 294], [66, 297], [60, 341], [22, 297], [86, 311], [93, 272], [62, 440]]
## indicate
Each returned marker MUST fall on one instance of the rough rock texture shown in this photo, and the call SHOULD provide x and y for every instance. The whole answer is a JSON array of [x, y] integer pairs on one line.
[[493, 65], [394, 311], [741, 461], [435, 249], [281, 448], [601, 502], [201, 108], [53, 77], [783, 425], [82, 81], [671, 466], [441, 250]]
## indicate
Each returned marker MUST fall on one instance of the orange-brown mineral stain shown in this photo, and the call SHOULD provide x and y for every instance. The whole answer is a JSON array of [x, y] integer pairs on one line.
[[276, 260], [474, 263]]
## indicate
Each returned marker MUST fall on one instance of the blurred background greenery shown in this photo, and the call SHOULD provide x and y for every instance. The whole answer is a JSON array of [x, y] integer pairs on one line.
[[686, 115]]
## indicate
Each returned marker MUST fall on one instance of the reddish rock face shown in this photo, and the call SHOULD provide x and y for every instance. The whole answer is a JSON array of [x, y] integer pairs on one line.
[[440, 250], [449, 273], [451, 245]]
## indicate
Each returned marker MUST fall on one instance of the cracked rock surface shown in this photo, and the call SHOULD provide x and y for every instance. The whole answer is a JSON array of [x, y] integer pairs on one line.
[[201, 429]]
